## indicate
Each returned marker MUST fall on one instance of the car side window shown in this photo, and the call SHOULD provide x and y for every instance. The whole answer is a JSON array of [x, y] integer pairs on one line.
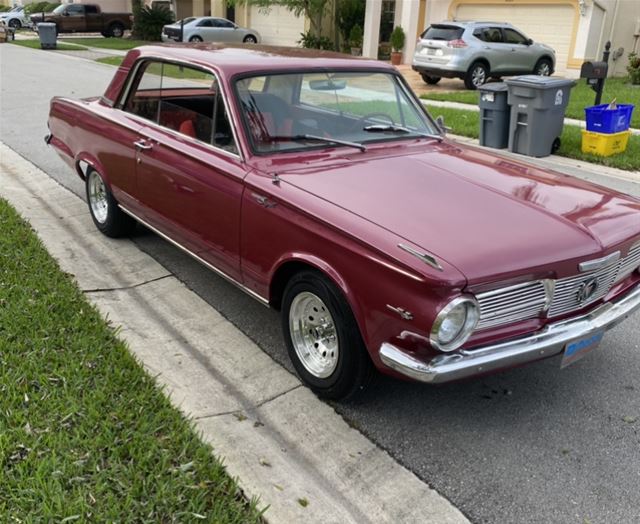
[[489, 34], [513, 37], [206, 23], [221, 22], [184, 99], [91, 9], [75, 9]]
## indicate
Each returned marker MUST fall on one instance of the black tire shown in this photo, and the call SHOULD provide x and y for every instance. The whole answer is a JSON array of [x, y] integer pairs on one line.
[[116, 30], [544, 67], [15, 23], [115, 223], [477, 75], [431, 80], [250, 39], [195, 39], [353, 369]]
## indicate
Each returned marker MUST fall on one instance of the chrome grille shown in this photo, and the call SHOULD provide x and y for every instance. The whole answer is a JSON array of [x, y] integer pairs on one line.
[[511, 304], [532, 299]]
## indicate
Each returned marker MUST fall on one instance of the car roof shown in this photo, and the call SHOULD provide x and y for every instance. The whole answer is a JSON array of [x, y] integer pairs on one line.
[[232, 59], [467, 23]]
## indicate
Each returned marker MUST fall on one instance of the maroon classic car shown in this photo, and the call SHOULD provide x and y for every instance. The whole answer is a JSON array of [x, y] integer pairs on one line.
[[318, 184]]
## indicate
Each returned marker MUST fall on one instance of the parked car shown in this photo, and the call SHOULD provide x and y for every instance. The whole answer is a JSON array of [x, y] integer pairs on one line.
[[16, 18], [477, 51], [209, 29], [318, 184], [86, 18]]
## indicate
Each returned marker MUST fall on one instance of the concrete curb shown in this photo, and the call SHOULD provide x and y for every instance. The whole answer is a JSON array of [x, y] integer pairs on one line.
[[284, 445]]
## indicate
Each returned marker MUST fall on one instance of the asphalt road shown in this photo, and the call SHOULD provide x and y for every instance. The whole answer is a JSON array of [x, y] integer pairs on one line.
[[535, 444]]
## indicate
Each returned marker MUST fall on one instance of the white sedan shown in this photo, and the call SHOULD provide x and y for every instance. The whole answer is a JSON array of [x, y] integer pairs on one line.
[[209, 29], [16, 17]]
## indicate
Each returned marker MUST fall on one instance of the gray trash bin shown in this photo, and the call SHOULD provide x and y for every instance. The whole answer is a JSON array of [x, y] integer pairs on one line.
[[537, 104], [494, 115], [48, 36]]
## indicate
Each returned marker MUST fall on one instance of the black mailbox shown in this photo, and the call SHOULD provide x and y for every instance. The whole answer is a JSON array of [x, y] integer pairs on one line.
[[594, 70]]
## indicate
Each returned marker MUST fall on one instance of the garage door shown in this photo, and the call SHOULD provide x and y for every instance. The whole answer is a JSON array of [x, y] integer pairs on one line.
[[277, 26], [549, 24]]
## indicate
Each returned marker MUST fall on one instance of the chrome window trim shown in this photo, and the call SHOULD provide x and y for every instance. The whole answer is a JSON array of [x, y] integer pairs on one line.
[[133, 72], [208, 265]]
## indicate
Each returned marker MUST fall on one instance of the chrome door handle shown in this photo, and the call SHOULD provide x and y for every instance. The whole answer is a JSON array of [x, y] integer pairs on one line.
[[143, 145]]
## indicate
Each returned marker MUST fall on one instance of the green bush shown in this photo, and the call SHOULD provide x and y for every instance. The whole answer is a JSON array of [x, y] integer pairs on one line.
[[397, 39], [40, 7], [148, 22], [356, 35], [310, 41], [4, 8], [634, 68], [349, 13]]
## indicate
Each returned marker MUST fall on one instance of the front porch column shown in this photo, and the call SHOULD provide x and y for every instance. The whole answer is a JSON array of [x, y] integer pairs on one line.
[[373, 12], [409, 19]]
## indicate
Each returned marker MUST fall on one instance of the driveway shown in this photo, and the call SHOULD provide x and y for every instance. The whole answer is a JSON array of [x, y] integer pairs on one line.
[[535, 444]]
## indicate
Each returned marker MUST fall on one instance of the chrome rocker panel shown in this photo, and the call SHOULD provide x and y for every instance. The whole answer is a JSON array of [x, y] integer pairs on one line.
[[546, 343]]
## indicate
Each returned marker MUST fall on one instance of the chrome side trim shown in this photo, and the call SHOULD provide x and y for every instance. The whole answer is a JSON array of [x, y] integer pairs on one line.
[[217, 271], [548, 342], [406, 315], [427, 258], [599, 263]]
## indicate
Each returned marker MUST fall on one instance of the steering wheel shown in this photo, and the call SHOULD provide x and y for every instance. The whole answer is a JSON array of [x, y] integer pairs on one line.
[[361, 121]]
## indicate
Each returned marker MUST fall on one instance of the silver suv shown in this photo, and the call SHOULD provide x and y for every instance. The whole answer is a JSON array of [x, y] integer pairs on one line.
[[477, 51]]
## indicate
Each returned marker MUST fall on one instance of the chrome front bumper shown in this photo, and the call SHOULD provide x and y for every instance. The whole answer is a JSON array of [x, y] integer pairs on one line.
[[546, 343]]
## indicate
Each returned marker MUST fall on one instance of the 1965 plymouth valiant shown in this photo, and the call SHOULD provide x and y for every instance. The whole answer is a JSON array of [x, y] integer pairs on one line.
[[318, 184]]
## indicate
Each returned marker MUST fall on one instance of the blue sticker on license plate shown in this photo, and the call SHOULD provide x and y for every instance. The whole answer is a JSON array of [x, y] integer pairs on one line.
[[579, 348]]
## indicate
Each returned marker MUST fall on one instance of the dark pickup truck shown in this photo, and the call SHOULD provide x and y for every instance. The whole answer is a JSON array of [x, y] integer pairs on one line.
[[86, 18]]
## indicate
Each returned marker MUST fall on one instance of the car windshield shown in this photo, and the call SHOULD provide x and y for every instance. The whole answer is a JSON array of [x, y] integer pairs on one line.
[[186, 20], [60, 9], [288, 112]]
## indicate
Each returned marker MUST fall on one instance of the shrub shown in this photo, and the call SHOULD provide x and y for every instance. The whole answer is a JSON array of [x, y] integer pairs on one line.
[[634, 68], [40, 7], [311, 41], [148, 22], [348, 14], [397, 39], [4, 8], [356, 35]]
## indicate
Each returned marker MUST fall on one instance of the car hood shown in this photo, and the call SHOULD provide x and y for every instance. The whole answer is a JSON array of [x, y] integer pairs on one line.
[[490, 217]]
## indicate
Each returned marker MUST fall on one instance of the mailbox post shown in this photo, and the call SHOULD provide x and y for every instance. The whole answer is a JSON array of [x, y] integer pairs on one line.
[[596, 73]]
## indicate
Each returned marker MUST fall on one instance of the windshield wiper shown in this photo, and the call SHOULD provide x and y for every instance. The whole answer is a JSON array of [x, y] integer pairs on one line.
[[297, 138], [384, 128]]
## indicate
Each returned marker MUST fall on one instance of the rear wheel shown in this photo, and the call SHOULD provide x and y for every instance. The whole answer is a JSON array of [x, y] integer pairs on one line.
[[476, 76], [15, 23], [195, 39], [107, 216], [250, 39], [116, 30], [544, 67], [431, 80], [322, 337]]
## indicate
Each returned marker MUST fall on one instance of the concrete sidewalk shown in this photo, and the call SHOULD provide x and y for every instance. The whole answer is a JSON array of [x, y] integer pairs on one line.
[[284, 445]]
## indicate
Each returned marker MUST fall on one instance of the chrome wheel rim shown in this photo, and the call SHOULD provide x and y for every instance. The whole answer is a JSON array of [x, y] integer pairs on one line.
[[250, 40], [98, 198], [544, 69], [314, 335], [117, 32], [478, 76]]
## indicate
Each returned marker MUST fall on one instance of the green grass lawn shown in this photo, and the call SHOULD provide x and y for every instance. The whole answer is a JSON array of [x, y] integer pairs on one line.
[[34, 43], [581, 96], [108, 43], [85, 434], [467, 123]]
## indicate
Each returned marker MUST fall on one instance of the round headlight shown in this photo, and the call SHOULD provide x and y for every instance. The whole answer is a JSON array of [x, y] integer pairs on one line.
[[455, 323]]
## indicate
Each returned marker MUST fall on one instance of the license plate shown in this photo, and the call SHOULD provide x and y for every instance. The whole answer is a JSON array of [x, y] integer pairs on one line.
[[579, 348]]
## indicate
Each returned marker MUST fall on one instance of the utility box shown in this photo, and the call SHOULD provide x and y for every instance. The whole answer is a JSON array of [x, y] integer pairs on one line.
[[494, 115], [538, 105], [48, 35]]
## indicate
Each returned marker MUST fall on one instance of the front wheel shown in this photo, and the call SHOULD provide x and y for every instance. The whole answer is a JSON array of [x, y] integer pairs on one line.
[[431, 80], [250, 39], [322, 337], [15, 23], [476, 76], [107, 216], [544, 67]]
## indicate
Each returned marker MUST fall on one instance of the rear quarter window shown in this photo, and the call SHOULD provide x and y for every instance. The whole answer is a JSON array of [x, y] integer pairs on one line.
[[442, 32]]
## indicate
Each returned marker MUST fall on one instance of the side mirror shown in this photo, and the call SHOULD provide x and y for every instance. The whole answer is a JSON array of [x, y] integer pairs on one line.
[[441, 127], [529, 41], [65, 13]]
